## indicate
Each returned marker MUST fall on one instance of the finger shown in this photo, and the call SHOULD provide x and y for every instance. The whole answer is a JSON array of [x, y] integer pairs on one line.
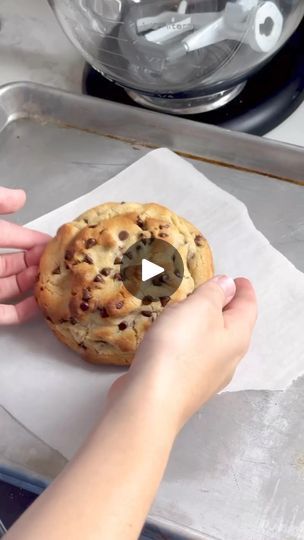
[[14, 263], [11, 200], [240, 315], [217, 291], [15, 236], [228, 286], [33, 256], [15, 285], [22, 312]]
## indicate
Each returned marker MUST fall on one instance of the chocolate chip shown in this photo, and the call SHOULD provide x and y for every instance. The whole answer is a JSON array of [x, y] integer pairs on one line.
[[86, 295], [84, 306], [118, 260], [117, 276], [41, 288], [177, 273], [103, 313], [164, 300], [88, 259], [164, 278], [90, 243], [93, 226], [159, 280], [68, 255], [163, 235], [165, 226], [199, 240], [123, 202], [147, 313], [120, 304], [57, 270], [99, 279], [82, 345], [106, 271], [123, 235], [147, 300], [122, 326], [86, 221], [140, 223], [73, 321]]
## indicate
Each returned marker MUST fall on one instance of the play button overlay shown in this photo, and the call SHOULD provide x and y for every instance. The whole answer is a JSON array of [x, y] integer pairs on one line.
[[152, 270]]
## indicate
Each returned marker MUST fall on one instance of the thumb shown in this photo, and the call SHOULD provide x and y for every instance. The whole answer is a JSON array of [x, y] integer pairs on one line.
[[228, 287], [219, 291], [242, 311]]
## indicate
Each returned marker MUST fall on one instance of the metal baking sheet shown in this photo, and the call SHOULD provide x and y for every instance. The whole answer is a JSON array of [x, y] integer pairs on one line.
[[251, 468]]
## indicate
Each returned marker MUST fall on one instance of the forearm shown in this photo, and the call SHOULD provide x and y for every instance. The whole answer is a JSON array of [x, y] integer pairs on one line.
[[107, 490]]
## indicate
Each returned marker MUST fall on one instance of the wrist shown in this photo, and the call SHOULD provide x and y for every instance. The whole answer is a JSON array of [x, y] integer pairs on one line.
[[152, 380], [171, 383], [143, 394]]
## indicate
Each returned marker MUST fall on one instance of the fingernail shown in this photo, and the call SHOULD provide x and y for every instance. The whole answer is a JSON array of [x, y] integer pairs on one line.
[[227, 284]]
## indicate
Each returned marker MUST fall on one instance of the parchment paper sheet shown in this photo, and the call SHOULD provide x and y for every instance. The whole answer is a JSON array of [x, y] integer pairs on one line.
[[58, 397]]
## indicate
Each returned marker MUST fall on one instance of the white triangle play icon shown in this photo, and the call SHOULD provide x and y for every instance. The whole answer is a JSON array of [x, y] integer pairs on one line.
[[150, 270]]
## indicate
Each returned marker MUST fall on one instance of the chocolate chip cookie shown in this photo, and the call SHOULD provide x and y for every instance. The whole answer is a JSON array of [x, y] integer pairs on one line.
[[81, 291]]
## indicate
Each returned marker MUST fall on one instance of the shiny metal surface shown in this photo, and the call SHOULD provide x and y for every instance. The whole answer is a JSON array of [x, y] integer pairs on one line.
[[193, 106], [237, 472]]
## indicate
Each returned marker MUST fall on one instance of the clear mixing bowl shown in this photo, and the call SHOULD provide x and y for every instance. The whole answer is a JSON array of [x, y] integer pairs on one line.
[[184, 56]]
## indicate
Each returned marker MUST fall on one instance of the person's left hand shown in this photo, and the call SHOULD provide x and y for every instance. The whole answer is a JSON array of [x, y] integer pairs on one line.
[[17, 270]]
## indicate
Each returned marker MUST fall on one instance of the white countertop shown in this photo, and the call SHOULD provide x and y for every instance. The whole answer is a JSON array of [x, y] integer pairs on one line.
[[34, 48]]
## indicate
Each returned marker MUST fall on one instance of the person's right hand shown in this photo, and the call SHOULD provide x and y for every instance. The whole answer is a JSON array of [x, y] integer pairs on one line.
[[189, 353], [192, 350]]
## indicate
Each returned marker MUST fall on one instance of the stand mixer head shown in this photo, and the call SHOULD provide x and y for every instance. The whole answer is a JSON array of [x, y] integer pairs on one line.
[[184, 56]]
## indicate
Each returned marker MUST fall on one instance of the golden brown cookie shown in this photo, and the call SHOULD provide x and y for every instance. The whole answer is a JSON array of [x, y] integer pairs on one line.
[[80, 290]]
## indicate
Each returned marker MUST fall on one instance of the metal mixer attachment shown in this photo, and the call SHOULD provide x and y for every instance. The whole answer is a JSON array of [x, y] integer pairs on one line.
[[258, 24]]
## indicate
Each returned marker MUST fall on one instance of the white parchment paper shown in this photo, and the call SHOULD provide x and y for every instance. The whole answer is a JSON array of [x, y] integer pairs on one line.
[[59, 397]]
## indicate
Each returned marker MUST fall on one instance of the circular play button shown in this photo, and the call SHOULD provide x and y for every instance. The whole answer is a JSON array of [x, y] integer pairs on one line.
[[152, 269]]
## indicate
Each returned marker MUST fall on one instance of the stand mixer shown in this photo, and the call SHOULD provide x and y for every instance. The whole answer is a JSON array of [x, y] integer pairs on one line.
[[182, 57]]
